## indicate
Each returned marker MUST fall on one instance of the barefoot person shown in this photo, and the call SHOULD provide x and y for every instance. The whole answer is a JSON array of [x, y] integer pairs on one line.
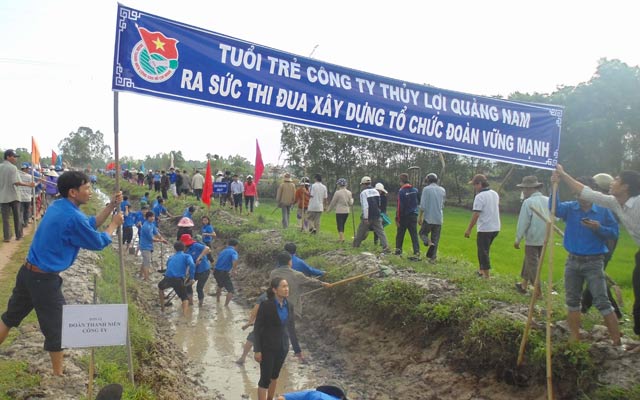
[[148, 235], [273, 329], [226, 265], [63, 231], [624, 201], [180, 267]]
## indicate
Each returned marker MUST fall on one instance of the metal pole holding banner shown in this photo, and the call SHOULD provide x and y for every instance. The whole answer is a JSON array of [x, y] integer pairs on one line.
[[123, 282]]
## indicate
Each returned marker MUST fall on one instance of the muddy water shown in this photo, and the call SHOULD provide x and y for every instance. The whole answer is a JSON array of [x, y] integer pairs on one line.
[[212, 337]]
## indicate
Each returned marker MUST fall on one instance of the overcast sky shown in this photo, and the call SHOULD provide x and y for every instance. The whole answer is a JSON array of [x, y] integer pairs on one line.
[[56, 59]]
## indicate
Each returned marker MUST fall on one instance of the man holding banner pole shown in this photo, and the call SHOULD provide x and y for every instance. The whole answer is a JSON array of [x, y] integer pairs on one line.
[[63, 231], [624, 202]]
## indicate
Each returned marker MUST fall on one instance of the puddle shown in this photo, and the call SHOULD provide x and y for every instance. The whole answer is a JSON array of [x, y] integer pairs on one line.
[[213, 337]]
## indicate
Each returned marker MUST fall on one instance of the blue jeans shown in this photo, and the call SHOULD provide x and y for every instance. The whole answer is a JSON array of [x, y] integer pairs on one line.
[[579, 269]]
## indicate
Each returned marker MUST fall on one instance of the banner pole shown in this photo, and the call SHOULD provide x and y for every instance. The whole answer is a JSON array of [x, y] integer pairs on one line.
[[554, 201], [123, 283]]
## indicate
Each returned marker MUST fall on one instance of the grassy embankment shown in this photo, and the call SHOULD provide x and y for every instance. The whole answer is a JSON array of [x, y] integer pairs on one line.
[[484, 339], [110, 362]]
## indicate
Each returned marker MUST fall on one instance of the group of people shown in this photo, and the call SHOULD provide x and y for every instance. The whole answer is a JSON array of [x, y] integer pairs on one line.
[[592, 228]]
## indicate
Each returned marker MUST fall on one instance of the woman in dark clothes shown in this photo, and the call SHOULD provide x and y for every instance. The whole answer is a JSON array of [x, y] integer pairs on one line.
[[273, 329]]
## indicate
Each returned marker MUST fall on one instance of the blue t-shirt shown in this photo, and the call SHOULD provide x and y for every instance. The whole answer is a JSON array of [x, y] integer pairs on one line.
[[147, 232], [207, 229], [63, 231], [129, 220], [194, 251], [172, 177], [226, 259], [298, 264], [309, 395], [187, 214], [124, 205], [177, 266]]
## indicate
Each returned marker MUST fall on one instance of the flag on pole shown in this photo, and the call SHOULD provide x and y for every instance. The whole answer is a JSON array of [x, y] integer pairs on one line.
[[54, 157], [35, 154], [111, 165], [58, 163], [259, 164], [207, 189], [171, 158], [142, 168]]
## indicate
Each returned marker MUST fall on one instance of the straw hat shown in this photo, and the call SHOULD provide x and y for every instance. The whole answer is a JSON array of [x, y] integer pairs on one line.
[[530, 182]]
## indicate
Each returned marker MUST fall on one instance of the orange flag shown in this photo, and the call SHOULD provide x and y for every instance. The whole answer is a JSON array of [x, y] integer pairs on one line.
[[35, 153], [207, 189]]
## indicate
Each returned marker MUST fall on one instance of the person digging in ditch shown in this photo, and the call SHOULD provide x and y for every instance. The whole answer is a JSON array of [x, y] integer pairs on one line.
[[226, 265], [180, 268], [63, 231], [198, 252]]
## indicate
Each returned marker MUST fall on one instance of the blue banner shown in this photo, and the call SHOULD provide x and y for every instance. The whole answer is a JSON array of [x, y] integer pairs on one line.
[[220, 187], [164, 58]]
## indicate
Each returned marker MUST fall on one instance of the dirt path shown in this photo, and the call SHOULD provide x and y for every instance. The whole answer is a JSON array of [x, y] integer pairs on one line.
[[7, 250]]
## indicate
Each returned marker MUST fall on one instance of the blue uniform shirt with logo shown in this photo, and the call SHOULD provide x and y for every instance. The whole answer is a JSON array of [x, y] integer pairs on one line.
[[147, 232], [226, 259], [63, 231], [194, 251], [177, 266]]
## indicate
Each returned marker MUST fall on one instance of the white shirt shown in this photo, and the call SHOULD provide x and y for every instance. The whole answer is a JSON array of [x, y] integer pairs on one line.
[[8, 179], [237, 187], [487, 204], [318, 194], [628, 214]]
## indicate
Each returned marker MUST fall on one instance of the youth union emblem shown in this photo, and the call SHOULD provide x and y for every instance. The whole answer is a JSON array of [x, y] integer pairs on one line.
[[155, 56]]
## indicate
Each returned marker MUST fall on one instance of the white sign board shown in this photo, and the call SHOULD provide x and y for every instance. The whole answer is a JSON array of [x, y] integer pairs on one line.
[[94, 325]]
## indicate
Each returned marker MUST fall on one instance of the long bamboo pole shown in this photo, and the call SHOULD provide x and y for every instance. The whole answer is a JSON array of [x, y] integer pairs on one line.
[[123, 282], [554, 200]]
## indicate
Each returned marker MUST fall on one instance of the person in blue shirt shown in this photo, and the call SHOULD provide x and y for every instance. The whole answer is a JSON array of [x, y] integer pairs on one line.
[[407, 216], [226, 265], [198, 252], [125, 203], [588, 227], [180, 267], [331, 391], [159, 210], [127, 226], [208, 233], [273, 329], [188, 212], [298, 264], [148, 234], [144, 199], [63, 231], [140, 219]]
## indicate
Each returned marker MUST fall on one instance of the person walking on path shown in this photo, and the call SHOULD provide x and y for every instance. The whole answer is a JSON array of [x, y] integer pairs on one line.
[[370, 218], [165, 184], [588, 226], [486, 213], [237, 188], [301, 198], [197, 183], [9, 200], [250, 194], [342, 201], [273, 330], [431, 216], [285, 197], [198, 252], [533, 230], [624, 201], [25, 193], [62, 232], [180, 268], [226, 266], [318, 196], [385, 220], [407, 216]]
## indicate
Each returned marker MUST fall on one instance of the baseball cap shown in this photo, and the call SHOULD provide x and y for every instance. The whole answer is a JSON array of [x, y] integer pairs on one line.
[[9, 153], [365, 180], [187, 239], [379, 186], [25, 165]]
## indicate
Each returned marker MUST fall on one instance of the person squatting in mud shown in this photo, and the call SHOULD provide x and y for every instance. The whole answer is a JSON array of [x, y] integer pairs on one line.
[[63, 231], [180, 269]]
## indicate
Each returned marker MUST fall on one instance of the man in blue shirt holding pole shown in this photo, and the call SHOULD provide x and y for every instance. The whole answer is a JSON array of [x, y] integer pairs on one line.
[[588, 227], [64, 230]]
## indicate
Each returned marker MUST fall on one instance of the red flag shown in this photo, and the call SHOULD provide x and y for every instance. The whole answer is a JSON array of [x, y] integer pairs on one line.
[[259, 165], [158, 43], [35, 153], [54, 157], [207, 189]]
